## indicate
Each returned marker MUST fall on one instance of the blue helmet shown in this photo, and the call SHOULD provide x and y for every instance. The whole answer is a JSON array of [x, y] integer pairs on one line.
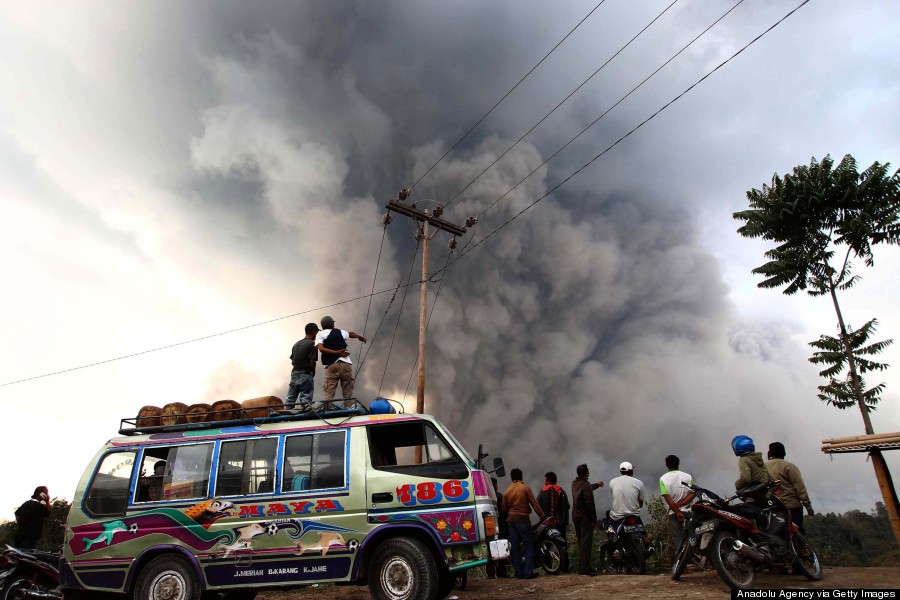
[[741, 444]]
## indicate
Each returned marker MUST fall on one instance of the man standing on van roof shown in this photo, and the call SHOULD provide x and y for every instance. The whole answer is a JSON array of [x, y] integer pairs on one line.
[[332, 343], [303, 361]]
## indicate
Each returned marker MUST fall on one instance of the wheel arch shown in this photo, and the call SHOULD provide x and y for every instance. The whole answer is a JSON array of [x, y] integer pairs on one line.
[[419, 533], [145, 557]]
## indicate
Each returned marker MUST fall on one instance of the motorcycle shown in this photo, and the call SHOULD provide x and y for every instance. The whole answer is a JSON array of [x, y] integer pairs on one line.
[[740, 539], [549, 549], [28, 575], [624, 551], [550, 546]]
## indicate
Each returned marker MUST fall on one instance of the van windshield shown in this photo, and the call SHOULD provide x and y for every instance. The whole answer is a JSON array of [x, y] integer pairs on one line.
[[392, 447]]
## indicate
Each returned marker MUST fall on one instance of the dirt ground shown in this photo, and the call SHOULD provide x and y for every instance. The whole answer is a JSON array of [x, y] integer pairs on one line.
[[704, 585]]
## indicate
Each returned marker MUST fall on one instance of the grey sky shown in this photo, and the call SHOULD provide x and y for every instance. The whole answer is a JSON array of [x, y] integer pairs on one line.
[[171, 171]]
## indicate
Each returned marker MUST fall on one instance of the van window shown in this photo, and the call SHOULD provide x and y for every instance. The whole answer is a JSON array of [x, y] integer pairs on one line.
[[392, 448], [246, 467], [108, 494], [175, 472], [314, 462]]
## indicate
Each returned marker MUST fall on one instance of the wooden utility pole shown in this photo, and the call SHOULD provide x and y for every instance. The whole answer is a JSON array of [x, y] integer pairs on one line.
[[425, 220], [423, 296]]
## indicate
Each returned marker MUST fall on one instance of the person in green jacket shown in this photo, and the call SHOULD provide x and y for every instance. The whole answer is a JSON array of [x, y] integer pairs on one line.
[[751, 467]]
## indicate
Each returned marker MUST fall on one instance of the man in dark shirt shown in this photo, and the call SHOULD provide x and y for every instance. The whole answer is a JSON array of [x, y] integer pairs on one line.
[[303, 360], [30, 517], [584, 517], [555, 503]]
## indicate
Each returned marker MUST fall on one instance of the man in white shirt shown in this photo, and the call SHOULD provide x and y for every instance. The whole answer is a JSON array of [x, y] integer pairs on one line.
[[676, 496], [627, 493], [332, 344]]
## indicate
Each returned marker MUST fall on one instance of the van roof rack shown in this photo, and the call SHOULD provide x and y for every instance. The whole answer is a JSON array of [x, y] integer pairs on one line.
[[141, 425]]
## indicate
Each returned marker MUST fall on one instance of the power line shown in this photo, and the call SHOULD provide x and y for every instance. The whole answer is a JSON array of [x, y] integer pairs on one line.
[[387, 221], [608, 110], [627, 135], [450, 263], [427, 323], [399, 314], [200, 339], [524, 77], [369, 347], [563, 101]]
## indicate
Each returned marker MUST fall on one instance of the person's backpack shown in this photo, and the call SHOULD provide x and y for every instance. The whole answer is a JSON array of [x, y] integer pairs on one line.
[[333, 341]]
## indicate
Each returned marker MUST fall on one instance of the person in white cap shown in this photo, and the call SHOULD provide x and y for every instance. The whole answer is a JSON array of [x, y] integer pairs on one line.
[[627, 493]]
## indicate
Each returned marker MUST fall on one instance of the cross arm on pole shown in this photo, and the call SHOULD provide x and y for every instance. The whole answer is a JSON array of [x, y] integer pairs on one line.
[[420, 215]]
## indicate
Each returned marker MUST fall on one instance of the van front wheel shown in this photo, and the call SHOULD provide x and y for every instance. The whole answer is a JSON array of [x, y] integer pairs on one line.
[[168, 577], [403, 569]]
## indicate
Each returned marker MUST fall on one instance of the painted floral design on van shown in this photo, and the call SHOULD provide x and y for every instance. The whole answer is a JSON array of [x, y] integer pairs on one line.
[[452, 527]]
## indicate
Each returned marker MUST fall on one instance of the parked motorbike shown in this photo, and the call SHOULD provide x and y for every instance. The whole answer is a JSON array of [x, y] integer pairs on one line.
[[28, 575], [549, 546], [624, 550], [740, 539]]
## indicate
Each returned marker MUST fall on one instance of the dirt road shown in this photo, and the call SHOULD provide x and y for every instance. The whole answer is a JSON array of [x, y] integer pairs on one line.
[[704, 585]]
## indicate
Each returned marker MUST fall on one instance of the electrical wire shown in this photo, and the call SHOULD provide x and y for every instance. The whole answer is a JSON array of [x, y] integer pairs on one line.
[[397, 325], [524, 77], [200, 339], [563, 101], [451, 262], [607, 111], [386, 221], [388, 308], [627, 135], [428, 322]]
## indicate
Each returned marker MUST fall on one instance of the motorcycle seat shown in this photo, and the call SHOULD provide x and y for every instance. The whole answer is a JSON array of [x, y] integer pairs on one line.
[[749, 510]]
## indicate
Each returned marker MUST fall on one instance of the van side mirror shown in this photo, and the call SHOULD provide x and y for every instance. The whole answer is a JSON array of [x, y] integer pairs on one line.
[[479, 460], [499, 469]]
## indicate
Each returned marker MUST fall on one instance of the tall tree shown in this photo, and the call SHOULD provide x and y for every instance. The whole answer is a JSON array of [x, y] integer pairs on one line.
[[821, 217]]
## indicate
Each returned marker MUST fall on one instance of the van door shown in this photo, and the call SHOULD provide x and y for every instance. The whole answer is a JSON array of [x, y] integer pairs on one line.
[[435, 494]]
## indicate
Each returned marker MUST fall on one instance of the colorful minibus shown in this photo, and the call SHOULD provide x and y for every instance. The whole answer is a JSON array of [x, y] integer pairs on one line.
[[223, 510]]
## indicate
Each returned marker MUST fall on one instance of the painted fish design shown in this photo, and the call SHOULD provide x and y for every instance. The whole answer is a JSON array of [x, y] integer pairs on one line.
[[243, 542], [323, 542], [109, 530]]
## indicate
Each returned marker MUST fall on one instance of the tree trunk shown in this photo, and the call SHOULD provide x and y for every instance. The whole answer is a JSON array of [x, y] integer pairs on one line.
[[885, 483], [851, 363]]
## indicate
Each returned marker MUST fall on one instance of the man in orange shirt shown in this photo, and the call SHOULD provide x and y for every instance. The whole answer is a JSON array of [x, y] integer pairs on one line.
[[518, 500]]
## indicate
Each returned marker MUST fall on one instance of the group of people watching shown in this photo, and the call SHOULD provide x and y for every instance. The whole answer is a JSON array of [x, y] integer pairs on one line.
[[331, 342], [517, 502]]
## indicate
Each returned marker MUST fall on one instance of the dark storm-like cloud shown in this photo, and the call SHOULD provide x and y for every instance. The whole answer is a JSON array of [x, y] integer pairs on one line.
[[595, 327], [597, 320]]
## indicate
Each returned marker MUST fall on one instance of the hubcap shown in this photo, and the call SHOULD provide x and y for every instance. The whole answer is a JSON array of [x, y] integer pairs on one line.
[[168, 585], [397, 578]]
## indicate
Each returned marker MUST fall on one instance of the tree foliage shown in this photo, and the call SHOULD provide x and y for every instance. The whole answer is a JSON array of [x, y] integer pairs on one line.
[[839, 391], [821, 216], [855, 538], [815, 210]]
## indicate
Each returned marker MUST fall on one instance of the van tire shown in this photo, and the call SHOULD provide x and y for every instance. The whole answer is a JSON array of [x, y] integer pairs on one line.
[[403, 569], [170, 573]]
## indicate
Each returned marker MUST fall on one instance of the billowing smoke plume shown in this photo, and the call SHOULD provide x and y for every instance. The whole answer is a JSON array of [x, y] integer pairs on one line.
[[254, 149]]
